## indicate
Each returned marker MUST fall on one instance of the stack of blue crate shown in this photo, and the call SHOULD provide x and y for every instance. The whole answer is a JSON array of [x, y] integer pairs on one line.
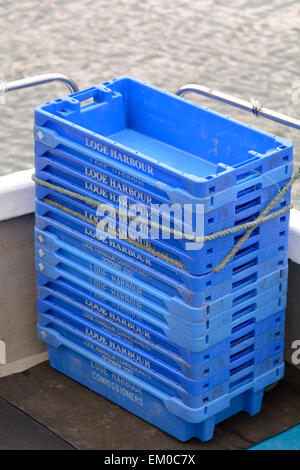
[[148, 322]]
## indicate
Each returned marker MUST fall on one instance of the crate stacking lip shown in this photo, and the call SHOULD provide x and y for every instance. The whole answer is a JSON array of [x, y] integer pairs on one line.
[[241, 337], [111, 293], [199, 283], [164, 329], [155, 270], [154, 371], [140, 398], [152, 135], [232, 307], [54, 251], [197, 261], [244, 198], [98, 178], [67, 261], [165, 332]]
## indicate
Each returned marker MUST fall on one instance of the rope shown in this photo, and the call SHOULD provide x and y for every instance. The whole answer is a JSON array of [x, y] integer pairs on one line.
[[146, 248], [205, 238], [249, 226], [246, 235]]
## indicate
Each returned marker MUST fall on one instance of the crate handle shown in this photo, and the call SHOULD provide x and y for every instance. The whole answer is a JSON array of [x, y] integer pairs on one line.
[[253, 105]]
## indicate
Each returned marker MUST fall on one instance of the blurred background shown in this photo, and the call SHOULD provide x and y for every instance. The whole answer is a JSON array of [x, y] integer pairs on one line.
[[242, 47]]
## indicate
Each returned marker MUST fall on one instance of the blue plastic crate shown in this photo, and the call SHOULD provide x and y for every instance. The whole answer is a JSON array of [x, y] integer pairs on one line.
[[211, 286], [241, 341], [59, 235], [154, 136], [247, 200], [159, 374], [172, 342], [200, 343], [132, 187], [160, 262], [247, 319], [141, 265], [133, 138], [189, 347], [113, 285], [124, 299], [64, 254], [195, 261], [164, 323], [148, 402]]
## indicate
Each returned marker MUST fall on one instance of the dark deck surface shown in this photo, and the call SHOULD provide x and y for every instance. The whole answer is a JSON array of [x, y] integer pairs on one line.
[[42, 409]]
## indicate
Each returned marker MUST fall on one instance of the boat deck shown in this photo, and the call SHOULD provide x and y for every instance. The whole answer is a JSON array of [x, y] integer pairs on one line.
[[43, 409]]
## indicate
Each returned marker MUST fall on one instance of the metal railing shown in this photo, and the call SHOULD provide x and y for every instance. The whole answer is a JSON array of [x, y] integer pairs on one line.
[[40, 80], [253, 105]]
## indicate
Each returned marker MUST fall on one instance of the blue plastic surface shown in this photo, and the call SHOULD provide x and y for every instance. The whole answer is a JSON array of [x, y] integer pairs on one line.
[[61, 235], [140, 398], [252, 197], [142, 264], [122, 184], [67, 256], [195, 366], [287, 440], [159, 374], [187, 347], [144, 132], [207, 256], [147, 323], [269, 300], [202, 342], [131, 295], [205, 284], [148, 327], [153, 369]]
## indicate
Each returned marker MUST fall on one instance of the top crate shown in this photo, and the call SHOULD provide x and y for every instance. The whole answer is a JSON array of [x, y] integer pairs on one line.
[[158, 139]]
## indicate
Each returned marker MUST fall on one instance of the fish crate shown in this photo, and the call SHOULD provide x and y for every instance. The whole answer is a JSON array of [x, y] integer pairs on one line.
[[161, 322], [156, 372], [141, 398], [197, 284], [100, 183], [158, 139], [56, 235], [139, 295], [150, 335], [55, 251], [158, 270], [197, 258], [187, 345]]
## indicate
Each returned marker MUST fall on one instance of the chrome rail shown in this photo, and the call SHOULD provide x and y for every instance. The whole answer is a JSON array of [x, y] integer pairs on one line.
[[253, 105], [40, 80]]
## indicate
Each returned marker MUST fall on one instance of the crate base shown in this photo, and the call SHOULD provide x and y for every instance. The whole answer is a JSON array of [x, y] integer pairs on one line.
[[145, 403]]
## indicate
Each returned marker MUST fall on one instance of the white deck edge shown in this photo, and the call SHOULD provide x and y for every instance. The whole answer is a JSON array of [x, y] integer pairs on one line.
[[16, 194], [294, 236], [23, 364], [17, 198]]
